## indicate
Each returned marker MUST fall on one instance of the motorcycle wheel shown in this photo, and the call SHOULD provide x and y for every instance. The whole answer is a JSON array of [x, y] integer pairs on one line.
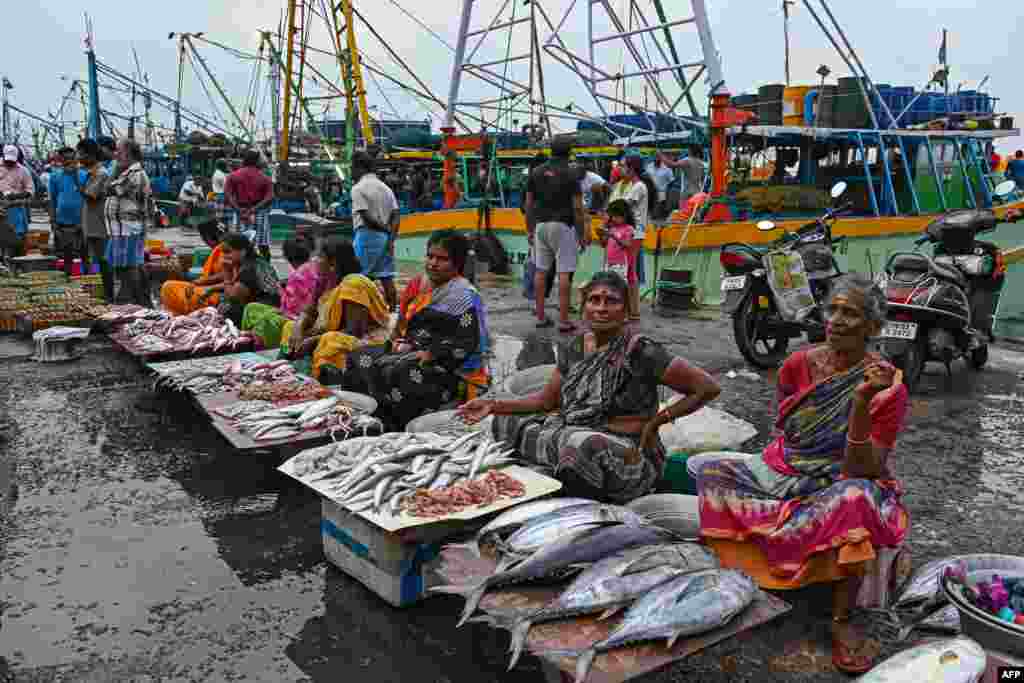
[[911, 362], [762, 353], [978, 357]]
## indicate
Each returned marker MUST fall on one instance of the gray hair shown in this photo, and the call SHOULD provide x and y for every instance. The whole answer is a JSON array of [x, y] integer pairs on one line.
[[875, 303]]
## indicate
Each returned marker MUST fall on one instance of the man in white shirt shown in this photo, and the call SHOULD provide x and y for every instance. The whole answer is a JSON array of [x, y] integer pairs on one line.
[[662, 176], [375, 218], [217, 184], [590, 182], [191, 194]]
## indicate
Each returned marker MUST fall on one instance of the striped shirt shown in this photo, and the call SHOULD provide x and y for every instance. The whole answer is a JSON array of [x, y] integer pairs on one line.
[[128, 196]]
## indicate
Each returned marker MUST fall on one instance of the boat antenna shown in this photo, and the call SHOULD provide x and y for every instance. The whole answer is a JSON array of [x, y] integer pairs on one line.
[[785, 31]]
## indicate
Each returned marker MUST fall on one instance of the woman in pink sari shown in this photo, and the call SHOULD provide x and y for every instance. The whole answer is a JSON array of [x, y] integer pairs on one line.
[[823, 496]]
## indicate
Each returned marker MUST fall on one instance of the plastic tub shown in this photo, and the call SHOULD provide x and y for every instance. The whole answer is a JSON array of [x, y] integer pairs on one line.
[[990, 631]]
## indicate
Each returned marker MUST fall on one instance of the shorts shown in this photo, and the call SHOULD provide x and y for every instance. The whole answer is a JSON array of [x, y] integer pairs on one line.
[[555, 243], [374, 254]]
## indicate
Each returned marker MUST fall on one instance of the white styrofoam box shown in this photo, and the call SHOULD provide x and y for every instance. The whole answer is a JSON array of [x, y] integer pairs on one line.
[[399, 567]]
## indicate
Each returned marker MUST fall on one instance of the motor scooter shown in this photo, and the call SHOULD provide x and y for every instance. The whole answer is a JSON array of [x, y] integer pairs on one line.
[[942, 307], [762, 326]]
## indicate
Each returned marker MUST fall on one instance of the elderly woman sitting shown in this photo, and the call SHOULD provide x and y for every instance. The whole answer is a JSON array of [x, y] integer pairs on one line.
[[439, 344], [822, 497], [595, 424]]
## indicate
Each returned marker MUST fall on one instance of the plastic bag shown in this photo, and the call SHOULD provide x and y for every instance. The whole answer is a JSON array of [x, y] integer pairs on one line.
[[708, 429], [788, 280]]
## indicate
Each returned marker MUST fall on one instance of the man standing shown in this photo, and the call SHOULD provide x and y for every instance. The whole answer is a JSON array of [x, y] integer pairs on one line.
[[375, 218], [107, 151], [220, 179], [555, 227], [662, 176], [1015, 169], [15, 183], [590, 184], [66, 208], [250, 192], [94, 220], [693, 174]]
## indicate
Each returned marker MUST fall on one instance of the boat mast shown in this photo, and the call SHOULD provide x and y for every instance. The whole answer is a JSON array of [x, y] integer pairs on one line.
[[289, 83], [93, 124], [356, 72], [785, 31]]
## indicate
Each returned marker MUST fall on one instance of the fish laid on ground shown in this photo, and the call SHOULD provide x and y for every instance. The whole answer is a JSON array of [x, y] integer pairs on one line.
[[511, 520], [954, 660], [923, 590], [684, 606], [544, 529], [615, 582], [562, 558]]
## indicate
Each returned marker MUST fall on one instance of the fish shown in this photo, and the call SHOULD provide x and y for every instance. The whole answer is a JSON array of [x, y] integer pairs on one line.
[[564, 556], [946, 620], [280, 432], [952, 660], [546, 528], [615, 582], [684, 606], [318, 408], [923, 590]]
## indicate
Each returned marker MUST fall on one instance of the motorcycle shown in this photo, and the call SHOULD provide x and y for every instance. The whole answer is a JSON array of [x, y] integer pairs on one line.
[[942, 307], [763, 319]]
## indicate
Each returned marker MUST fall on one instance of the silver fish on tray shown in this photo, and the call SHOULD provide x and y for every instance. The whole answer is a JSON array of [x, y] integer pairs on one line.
[[562, 557], [684, 606], [615, 582], [544, 529], [945, 620], [954, 660]]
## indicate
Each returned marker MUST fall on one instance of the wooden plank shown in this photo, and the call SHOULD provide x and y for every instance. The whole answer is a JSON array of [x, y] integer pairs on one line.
[[460, 567], [243, 442]]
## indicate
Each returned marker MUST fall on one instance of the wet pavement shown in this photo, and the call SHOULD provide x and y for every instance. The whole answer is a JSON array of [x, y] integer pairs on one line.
[[135, 546]]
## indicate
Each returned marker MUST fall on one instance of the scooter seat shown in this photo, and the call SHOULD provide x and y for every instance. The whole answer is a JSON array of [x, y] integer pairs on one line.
[[915, 263]]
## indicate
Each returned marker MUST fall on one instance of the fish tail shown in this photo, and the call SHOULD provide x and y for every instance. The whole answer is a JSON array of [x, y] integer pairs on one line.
[[583, 664], [520, 630], [472, 602], [451, 589]]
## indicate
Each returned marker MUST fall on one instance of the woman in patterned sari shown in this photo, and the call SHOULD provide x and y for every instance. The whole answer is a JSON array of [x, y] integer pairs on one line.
[[822, 497], [347, 317], [438, 349], [595, 425]]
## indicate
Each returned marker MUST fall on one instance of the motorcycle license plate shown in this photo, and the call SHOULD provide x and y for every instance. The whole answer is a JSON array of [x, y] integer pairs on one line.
[[731, 284], [900, 330]]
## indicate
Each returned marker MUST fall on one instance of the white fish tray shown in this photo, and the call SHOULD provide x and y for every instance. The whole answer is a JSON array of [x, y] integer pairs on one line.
[[537, 486]]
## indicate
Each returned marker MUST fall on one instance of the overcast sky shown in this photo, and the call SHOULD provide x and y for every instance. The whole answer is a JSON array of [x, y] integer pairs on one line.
[[898, 42]]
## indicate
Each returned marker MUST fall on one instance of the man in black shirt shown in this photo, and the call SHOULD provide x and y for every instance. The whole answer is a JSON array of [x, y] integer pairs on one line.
[[555, 227]]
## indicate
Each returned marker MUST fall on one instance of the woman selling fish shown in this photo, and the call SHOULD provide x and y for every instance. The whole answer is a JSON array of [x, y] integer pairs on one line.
[[310, 279], [438, 348], [180, 297], [595, 424], [251, 280], [819, 500], [346, 317]]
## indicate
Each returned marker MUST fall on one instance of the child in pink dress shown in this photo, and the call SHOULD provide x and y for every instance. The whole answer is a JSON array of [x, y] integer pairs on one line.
[[617, 238]]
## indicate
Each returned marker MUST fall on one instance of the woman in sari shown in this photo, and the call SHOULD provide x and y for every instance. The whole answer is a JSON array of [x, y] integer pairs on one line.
[[595, 425], [438, 349], [251, 279], [180, 297], [309, 280], [822, 497], [347, 317]]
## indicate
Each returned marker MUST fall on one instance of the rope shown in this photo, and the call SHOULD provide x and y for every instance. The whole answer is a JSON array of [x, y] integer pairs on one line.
[[422, 25]]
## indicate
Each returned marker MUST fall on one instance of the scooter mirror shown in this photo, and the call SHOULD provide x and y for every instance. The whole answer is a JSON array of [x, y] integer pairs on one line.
[[766, 226], [1005, 188], [838, 189]]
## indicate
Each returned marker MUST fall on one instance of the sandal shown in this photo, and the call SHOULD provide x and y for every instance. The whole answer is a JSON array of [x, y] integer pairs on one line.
[[849, 661]]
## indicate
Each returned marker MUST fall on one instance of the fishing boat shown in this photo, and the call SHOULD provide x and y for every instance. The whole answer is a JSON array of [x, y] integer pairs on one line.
[[907, 154]]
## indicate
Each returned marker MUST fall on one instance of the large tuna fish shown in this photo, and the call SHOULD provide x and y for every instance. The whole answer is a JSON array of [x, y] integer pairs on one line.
[[685, 606], [614, 583], [956, 660], [563, 557]]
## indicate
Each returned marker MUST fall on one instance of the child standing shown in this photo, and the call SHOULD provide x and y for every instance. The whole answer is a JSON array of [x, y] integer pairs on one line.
[[617, 238]]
